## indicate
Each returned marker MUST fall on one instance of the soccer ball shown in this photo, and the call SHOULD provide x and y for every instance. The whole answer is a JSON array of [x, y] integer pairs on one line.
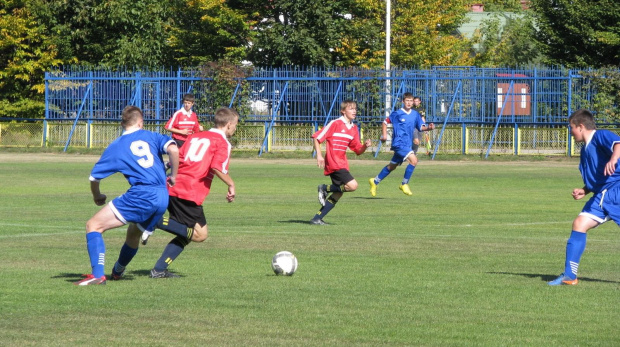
[[284, 263]]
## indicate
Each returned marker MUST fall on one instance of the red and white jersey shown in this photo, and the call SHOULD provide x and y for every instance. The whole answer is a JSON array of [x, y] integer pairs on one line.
[[340, 134], [182, 119], [202, 152]]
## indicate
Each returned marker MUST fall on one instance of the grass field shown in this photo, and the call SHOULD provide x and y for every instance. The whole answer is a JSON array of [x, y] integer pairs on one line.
[[463, 262]]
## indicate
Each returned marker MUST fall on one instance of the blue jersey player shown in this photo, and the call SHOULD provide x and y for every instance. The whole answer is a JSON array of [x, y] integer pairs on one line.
[[137, 154], [601, 177], [404, 122]]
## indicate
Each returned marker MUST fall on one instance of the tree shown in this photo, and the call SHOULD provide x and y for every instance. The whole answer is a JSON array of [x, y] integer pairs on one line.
[[203, 31], [25, 54], [423, 33], [579, 33], [108, 33], [510, 46], [298, 32]]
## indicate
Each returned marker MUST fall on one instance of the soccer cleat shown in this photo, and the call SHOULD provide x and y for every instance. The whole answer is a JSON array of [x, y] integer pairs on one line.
[[373, 187], [317, 222], [405, 188], [322, 194], [145, 237], [90, 280], [163, 274], [563, 281], [115, 276]]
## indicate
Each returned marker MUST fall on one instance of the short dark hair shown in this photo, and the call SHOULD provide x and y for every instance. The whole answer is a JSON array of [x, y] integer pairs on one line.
[[189, 97], [131, 115], [407, 95], [584, 117], [224, 115]]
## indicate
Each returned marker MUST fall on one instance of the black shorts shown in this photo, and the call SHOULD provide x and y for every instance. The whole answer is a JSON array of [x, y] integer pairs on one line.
[[186, 212], [340, 177]]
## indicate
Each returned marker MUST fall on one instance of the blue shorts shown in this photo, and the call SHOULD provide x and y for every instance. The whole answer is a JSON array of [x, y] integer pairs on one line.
[[400, 155], [604, 206], [143, 205]]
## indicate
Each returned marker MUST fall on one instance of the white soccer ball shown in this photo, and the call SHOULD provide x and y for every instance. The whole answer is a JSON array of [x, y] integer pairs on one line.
[[284, 263]]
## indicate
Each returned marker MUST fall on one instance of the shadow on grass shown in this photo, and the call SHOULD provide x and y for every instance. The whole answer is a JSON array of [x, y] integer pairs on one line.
[[547, 278], [297, 221], [367, 198], [129, 275]]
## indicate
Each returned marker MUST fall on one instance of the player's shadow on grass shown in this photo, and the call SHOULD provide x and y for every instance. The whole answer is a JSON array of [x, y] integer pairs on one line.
[[548, 278], [367, 198], [129, 275], [296, 221]]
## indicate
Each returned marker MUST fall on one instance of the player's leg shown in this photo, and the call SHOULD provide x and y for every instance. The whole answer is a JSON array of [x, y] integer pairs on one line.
[[412, 161], [174, 249], [338, 178], [186, 213], [128, 251], [416, 140], [103, 220], [591, 216], [391, 166], [325, 189], [172, 224]]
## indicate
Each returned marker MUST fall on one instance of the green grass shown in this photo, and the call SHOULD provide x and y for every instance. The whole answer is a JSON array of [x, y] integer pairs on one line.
[[463, 262]]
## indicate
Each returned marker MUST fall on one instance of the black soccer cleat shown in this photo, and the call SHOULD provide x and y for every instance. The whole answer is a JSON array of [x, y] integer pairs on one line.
[[163, 274]]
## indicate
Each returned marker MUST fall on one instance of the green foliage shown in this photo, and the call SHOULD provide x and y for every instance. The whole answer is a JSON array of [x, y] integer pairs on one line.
[[579, 33], [207, 30], [465, 266], [507, 46], [220, 80], [502, 5], [298, 32], [26, 52], [605, 85]]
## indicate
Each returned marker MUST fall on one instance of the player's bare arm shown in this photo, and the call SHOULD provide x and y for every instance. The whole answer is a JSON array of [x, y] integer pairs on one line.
[[610, 167], [97, 196], [320, 161], [427, 127], [383, 137], [173, 156], [230, 196]]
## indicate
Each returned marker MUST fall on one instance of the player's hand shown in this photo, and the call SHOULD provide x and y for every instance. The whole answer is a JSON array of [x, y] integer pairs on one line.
[[368, 143], [578, 193], [320, 161], [230, 196], [100, 199], [185, 132], [172, 180], [383, 138], [431, 126], [610, 167]]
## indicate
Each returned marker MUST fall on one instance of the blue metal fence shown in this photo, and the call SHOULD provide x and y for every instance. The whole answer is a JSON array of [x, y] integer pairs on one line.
[[313, 95]]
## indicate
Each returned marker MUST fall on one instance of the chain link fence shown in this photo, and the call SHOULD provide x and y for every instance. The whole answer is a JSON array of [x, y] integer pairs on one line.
[[454, 139]]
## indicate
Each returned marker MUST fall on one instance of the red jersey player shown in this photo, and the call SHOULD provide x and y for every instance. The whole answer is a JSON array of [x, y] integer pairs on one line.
[[339, 134], [207, 154], [184, 122]]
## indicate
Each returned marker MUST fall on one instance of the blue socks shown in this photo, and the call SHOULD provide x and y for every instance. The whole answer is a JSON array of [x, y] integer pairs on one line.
[[408, 173], [575, 246], [127, 253], [383, 174], [96, 252]]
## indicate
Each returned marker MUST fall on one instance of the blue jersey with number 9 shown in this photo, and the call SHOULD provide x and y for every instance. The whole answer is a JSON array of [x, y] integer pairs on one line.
[[138, 156]]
